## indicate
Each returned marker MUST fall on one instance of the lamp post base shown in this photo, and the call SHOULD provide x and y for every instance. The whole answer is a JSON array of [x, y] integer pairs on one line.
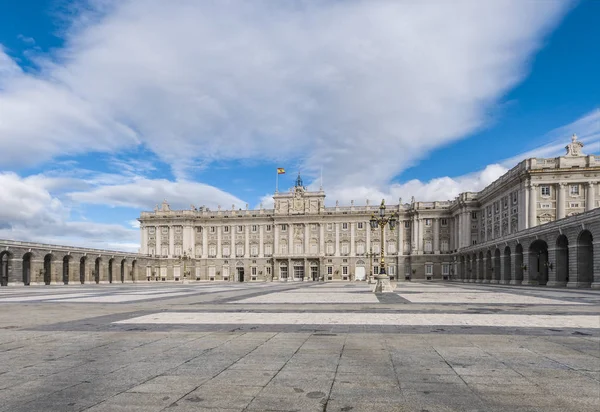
[[383, 284]]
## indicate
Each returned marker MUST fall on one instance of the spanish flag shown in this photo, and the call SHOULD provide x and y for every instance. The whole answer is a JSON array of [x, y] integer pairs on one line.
[[280, 171]]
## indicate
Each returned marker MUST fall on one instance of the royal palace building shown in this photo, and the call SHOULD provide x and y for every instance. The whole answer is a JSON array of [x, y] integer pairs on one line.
[[302, 239]]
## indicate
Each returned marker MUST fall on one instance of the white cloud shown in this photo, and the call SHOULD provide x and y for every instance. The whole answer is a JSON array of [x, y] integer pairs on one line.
[[142, 193], [336, 84], [587, 129]]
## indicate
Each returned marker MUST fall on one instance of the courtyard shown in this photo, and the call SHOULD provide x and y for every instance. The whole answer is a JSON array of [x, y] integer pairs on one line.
[[298, 346]]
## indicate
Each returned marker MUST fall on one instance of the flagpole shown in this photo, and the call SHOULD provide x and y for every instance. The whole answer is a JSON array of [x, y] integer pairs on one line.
[[277, 181]]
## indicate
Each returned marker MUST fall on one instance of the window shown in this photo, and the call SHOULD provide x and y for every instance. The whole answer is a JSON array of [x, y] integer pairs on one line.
[[515, 197], [329, 270], [314, 249], [474, 215], [505, 202], [427, 222], [177, 250], [240, 229], [445, 269], [254, 228], [392, 270], [574, 190], [375, 270], [213, 229], [360, 225], [345, 248], [344, 226], [407, 224], [226, 251], [284, 249], [254, 250], [444, 247], [253, 270], [298, 248], [474, 242], [360, 248], [284, 228], [329, 227], [574, 204], [330, 248], [497, 207], [345, 270], [212, 250], [268, 228], [444, 222], [429, 270], [545, 190], [225, 229], [165, 250], [428, 246], [545, 205], [391, 247], [268, 249], [268, 270]]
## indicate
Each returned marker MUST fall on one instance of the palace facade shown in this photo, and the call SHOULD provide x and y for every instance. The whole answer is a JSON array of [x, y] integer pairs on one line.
[[302, 239]]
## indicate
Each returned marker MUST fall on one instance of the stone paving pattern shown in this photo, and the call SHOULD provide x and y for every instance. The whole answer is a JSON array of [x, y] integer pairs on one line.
[[96, 348]]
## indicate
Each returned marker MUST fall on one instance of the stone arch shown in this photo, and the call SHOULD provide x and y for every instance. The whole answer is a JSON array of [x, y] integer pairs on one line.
[[111, 261], [518, 264], [5, 267], [123, 269], [480, 268], [562, 260], [97, 269], [82, 263], [66, 268], [506, 276], [473, 268], [538, 262], [585, 259], [134, 270], [497, 275], [27, 260], [488, 266], [48, 268]]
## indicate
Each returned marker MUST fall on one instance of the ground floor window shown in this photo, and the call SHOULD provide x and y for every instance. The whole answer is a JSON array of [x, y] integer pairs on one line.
[[299, 272], [283, 272]]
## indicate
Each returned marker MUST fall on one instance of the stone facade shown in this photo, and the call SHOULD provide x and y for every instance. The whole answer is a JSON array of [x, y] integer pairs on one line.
[[32, 263], [537, 224], [301, 238]]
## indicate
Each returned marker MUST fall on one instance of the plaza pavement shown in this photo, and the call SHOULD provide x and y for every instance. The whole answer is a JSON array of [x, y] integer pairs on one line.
[[298, 347]]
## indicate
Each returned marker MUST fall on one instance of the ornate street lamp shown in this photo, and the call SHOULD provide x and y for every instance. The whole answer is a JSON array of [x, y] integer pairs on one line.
[[185, 258], [383, 280]]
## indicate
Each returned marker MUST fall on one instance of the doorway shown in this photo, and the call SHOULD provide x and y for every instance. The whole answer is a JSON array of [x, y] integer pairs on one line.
[[240, 274]]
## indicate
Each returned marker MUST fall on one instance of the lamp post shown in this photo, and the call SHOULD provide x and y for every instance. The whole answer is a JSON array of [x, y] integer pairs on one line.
[[370, 256], [185, 258], [383, 280]]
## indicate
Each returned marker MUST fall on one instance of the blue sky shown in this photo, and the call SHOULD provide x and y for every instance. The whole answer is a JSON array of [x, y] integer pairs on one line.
[[108, 107]]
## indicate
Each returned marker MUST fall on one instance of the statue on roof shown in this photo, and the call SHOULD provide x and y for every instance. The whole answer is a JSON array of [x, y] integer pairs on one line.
[[574, 148], [299, 181]]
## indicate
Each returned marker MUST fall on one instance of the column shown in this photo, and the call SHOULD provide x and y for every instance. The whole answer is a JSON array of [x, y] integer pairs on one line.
[[532, 205], [144, 242], [306, 244], [420, 235], [275, 242], [560, 201], [246, 241], [158, 232], [337, 239], [290, 241], [321, 240], [219, 241], [368, 245], [261, 246], [400, 240], [467, 228], [590, 195], [352, 251], [436, 235], [596, 269], [527, 273], [502, 269], [204, 242], [552, 272], [171, 241], [414, 237]]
